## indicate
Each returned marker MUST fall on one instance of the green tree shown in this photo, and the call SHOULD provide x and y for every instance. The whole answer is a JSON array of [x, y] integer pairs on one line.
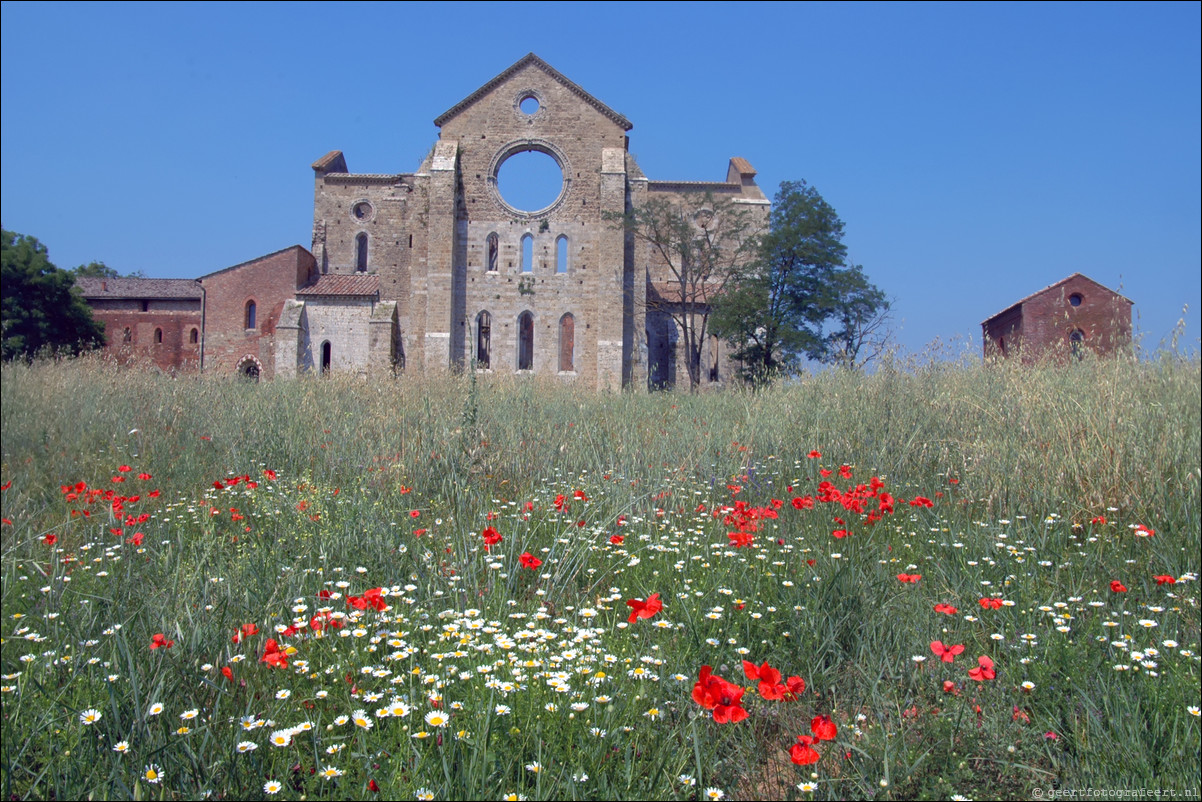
[[696, 245], [803, 300], [40, 308], [101, 270]]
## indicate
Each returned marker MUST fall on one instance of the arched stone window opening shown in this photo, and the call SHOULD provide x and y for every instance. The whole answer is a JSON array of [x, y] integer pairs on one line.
[[194, 336], [527, 253], [561, 254], [1076, 342], [525, 341], [567, 344], [483, 340], [361, 253], [326, 356], [250, 314], [158, 336], [494, 248]]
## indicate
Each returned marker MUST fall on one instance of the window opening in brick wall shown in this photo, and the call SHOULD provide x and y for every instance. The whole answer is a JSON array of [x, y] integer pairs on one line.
[[525, 341], [326, 355], [567, 343], [1076, 342], [361, 253], [494, 247], [1075, 299], [561, 254], [127, 336], [158, 336], [250, 314], [146, 306], [527, 253], [483, 340], [194, 336]]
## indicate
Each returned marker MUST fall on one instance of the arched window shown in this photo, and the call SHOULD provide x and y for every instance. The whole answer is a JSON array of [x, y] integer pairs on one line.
[[1076, 341], [527, 253], [361, 253], [326, 354], [250, 314], [194, 336], [525, 341], [567, 343], [127, 336], [483, 340], [494, 247], [561, 254], [158, 336]]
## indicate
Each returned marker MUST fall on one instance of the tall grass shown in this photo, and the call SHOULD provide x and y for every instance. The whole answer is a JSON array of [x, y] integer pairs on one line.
[[1036, 475]]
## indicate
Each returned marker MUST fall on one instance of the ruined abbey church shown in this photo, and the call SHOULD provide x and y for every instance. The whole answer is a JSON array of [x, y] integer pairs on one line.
[[436, 269]]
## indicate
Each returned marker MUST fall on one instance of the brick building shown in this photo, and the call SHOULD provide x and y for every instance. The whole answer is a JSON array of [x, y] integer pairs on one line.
[[1061, 321], [153, 319], [445, 267]]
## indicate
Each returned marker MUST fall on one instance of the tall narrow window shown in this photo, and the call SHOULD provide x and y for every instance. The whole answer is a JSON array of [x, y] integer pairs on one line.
[[250, 314], [361, 253], [561, 254], [483, 340], [325, 357], [127, 336], [526, 341], [527, 253], [158, 336], [494, 247], [1077, 343], [194, 336], [567, 343]]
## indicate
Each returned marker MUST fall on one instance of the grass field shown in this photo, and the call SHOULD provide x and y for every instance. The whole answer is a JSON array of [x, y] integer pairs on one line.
[[947, 580]]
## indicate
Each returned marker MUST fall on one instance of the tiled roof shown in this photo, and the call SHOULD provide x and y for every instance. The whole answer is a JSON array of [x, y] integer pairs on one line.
[[1022, 301], [341, 284], [140, 288], [742, 165]]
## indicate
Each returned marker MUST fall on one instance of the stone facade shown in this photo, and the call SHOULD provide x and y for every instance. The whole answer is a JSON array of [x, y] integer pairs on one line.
[[1061, 321], [558, 290], [437, 270]]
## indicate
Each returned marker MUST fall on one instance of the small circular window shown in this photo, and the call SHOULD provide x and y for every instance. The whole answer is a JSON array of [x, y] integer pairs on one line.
[[529, 105], [362, 210], [1075, 299]]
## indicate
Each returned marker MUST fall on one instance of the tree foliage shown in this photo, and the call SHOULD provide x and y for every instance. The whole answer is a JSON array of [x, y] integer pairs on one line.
[[803, 300], [101, 270], [698, 246], [41, 311]]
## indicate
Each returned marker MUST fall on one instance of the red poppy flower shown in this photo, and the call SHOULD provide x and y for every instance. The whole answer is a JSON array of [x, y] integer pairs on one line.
[[990, 604], [644, 609], [491, 537], [845, 471], [794, 688], [840, 533], [946, 609], [770, 686], [946, 653], [1165, 579], [273, 655], [124, 468], [824, 472], [50, 539], [145, 477], [740, 539], [373, 787], [983, 671], [616, 539], [228, 673], [922, 501], [137, 538], [528, 560], [159, 641], [1118, 587], [949, 686], [911, 578], [802, 752], [815, 455], [1143, 531], [724, 698], [270, 474], [244, 632], [1099, 520], [823, 728]]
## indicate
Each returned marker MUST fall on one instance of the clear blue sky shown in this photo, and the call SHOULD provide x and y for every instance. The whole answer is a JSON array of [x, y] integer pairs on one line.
[[976, 152]]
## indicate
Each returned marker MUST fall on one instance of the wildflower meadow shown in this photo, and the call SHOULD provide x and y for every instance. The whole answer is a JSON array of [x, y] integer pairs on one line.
[[941, 580]]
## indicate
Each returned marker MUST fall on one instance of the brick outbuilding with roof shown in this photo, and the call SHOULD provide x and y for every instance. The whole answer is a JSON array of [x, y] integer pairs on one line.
[[1062, 321]]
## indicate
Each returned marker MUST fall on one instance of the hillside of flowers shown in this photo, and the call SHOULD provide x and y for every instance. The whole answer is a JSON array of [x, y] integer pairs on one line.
[[941, 583]]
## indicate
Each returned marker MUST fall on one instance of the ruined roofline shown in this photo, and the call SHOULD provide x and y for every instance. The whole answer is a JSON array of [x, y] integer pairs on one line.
[[531, 59]]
